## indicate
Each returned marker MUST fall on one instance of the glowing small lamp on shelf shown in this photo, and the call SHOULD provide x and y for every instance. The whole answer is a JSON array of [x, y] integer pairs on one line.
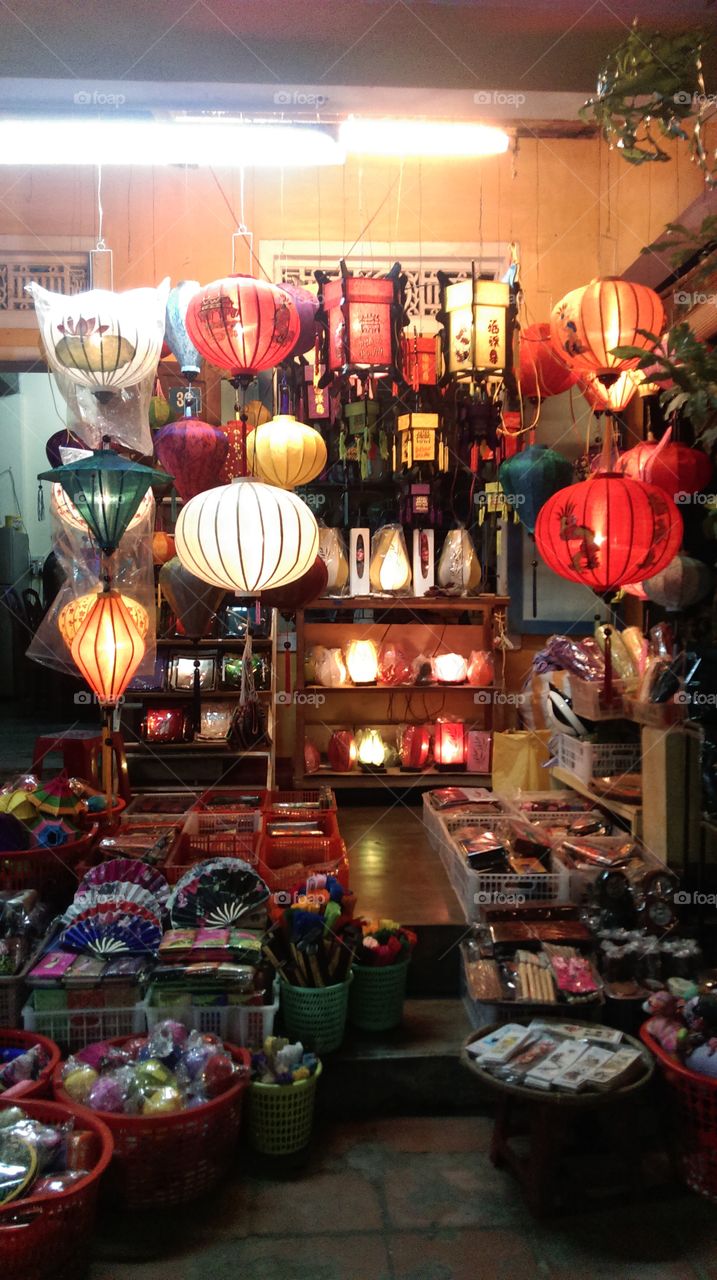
[[362, 661], [390, 568], [449, 744], [370, 748], [450, 668], [415, 746]]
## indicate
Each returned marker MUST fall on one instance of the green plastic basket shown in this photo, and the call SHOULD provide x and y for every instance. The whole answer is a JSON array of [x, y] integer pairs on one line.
[[377, 995], [281, 1116], [316, 1015]]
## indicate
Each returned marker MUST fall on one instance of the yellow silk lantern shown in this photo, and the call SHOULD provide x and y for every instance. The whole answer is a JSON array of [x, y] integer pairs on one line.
[[362, 661], [286, 452]]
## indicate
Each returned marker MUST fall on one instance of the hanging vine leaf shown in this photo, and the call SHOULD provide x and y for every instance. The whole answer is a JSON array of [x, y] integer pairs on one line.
[[692, 367], [651, 87]]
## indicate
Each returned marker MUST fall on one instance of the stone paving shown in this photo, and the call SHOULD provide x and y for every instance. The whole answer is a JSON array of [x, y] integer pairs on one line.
[[410, 1198]]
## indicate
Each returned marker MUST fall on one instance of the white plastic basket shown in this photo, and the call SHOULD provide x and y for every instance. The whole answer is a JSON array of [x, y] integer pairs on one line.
[[588, 760], [581, 880], [243, 1025], [476, 889], [72, 1029]]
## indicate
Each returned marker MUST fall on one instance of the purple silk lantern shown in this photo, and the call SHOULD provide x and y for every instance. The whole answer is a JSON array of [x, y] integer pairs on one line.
[[193, 452], [307, 305]]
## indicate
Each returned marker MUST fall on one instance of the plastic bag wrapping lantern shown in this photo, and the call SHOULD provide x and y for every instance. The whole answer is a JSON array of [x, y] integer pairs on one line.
[[676, 468], [175, 330], [285, 452], [247, 536], [99, 339], [541, 372], [361, 318], [589, 323], [332, 550], [607, 531], [682, 583], [243, 325], [106, 490], [193, 452], [194, 603], [415, 745], [72, 615], [108, 647], [475, 326], [532, 476], [458, 565], [449, 744]]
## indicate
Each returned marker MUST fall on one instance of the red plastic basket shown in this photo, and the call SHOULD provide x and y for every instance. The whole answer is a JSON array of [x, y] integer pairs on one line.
[[284, 862], [53, 872], [231, 800], [107, 820], [49, 1236], [40, 1088], [209, 835], [161, 1161], [694, 1119]]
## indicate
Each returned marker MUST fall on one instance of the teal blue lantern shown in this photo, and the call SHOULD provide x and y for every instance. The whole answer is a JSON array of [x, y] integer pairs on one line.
[[529, 478], [106, 489]]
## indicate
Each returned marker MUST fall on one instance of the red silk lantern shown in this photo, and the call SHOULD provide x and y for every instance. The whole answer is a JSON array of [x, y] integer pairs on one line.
[[541, 372], [415, 745], [193, 452], [297, 594], [108, 647], [607, 531], [341, 751], [588, 323], [676, 468], [243, 325], [605, 395], [449, 744]]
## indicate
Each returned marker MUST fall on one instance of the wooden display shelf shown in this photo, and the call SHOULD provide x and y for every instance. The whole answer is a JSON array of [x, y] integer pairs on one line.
[[182, 695], [458, 604], [430, 777], [236, 642], [631, 813], [403, 688], [220, 747]]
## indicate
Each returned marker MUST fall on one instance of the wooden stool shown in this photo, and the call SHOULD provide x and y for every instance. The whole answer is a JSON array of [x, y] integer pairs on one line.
[[81, 751]]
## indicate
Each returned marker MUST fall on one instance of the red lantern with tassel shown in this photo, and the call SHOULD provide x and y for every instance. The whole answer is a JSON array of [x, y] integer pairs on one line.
[[193, 452], [541, 372]]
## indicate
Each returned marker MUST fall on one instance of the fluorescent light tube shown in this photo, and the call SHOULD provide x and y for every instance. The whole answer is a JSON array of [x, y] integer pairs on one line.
[[441, 138], [105, 141]]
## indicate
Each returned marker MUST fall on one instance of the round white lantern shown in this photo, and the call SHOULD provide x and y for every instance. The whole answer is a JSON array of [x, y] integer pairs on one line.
[[247, 536]]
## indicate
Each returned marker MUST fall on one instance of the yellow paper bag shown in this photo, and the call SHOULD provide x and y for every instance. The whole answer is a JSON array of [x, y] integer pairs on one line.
[[519, 757]]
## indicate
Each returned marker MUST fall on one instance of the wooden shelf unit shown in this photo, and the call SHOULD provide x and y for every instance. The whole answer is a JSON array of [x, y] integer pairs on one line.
[[436, 625]]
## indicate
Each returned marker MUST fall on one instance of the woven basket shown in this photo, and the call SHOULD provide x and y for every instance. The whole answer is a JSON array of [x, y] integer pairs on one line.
[[281, 1116], [316, 1015], [377, 995]]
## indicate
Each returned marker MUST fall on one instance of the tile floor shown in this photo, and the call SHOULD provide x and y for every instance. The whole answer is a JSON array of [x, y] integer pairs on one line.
[[406, 1199]]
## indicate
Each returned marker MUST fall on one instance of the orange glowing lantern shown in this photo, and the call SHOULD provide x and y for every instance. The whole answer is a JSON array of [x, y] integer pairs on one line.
[[72, 616], [449, 744], [606, 394], [109, 646], [419, 359], [589, 323]]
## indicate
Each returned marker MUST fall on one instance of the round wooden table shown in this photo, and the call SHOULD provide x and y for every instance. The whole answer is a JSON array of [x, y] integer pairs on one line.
[[550, 1117]]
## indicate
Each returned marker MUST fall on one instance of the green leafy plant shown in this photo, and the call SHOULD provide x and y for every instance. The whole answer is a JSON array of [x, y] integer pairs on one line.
[[681, 358], [686, 246], [651, 87]]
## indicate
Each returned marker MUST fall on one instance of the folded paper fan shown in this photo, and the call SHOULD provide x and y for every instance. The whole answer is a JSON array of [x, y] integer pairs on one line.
[[129, 871], [112, 933]]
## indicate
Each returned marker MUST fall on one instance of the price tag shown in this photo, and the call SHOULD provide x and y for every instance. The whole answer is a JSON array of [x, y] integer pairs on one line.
[[179, 396]]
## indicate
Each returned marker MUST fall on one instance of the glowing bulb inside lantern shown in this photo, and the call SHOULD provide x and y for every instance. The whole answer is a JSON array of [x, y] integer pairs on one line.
[[450, 668], [371, 748], [362, 661], [449, 744]]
